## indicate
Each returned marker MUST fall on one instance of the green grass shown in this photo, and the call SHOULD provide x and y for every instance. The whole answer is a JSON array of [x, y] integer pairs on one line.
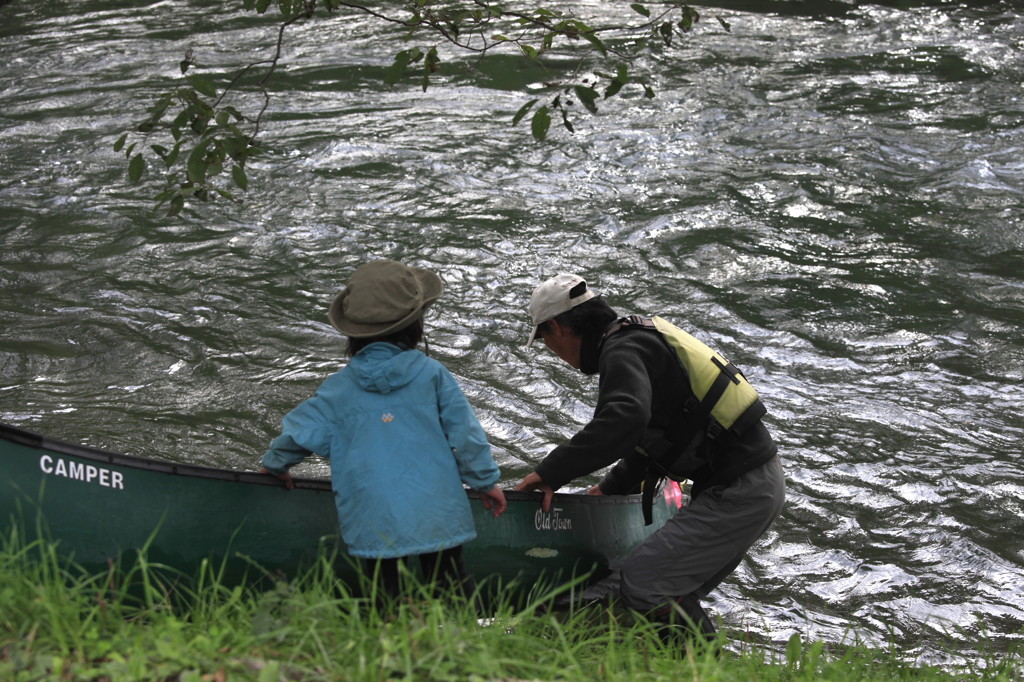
[[142, 622]]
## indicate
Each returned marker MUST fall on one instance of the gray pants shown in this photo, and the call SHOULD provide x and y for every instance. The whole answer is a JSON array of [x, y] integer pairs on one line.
[[704, 542]]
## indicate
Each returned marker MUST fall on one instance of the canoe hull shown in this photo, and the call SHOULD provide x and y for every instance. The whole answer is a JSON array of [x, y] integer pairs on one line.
[[100, 506]]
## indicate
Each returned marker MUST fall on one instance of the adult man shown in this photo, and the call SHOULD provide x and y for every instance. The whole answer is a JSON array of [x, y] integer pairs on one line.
[[650, 420]]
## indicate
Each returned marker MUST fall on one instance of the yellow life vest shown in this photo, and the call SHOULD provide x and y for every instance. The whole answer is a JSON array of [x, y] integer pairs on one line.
[[723, 400], [720, 390]]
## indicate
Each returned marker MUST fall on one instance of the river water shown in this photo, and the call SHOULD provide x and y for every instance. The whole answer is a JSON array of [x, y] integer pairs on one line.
[[833, 200]]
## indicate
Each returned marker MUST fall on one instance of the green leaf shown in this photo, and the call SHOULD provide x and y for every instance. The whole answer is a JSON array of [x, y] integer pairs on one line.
[[200, 122], [666, 32], [566, 122], [725, 24], [173, 156], [592, 38], [620, 79], [235, 146], [540, 123], [402, 60], [180, 120], [640, 9], [430, 63], [523, 110], [135, 168], [203, 85], [196, 166], [262, 5], [119, 145], [238, 175], [587, 96], [160, 107], [177, 203], [529, 51], [162, 197], [214, 160]]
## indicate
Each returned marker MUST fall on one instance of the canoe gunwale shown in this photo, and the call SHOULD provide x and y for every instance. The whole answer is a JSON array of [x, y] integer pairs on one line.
[[38, 441]]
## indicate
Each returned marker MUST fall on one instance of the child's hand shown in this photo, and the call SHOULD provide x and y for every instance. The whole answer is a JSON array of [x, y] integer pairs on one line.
[[286, 477], [494, 501]]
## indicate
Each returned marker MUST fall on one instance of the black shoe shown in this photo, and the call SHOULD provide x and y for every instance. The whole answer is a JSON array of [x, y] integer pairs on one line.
[[601, 593], [684, 622]]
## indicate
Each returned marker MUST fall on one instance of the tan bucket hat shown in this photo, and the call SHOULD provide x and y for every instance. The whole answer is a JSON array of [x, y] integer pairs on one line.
[[383, 297]]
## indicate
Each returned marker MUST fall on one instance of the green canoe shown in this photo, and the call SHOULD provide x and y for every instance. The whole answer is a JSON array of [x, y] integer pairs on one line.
[[99, 506]]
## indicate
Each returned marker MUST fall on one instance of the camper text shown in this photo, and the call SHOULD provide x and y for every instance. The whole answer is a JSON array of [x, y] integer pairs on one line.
[[81, 472]]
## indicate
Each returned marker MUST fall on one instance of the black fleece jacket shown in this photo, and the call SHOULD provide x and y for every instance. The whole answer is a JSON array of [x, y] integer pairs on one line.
[[641, 394]]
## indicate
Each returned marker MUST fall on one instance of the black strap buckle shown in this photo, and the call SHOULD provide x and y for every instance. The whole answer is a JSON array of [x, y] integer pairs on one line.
[[634, 320]]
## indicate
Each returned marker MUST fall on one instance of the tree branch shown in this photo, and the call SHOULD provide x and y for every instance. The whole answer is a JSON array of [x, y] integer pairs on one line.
[[208, 136]]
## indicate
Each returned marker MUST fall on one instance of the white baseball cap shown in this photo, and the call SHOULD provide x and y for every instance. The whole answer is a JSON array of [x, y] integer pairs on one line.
[[552, 298]]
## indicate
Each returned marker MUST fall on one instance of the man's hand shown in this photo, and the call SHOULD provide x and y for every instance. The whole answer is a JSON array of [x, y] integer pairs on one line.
[[534, 482], [596, 490], [286, 477], [494, 501]]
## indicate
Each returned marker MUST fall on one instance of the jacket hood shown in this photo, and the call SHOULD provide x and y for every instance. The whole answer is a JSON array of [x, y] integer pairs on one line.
[[384, 367]]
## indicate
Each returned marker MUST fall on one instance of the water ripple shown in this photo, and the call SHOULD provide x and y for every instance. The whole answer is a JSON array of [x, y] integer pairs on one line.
[[832, 201]]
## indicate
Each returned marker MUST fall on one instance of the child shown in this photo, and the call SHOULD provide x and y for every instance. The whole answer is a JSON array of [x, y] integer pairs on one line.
[[400, 435]]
